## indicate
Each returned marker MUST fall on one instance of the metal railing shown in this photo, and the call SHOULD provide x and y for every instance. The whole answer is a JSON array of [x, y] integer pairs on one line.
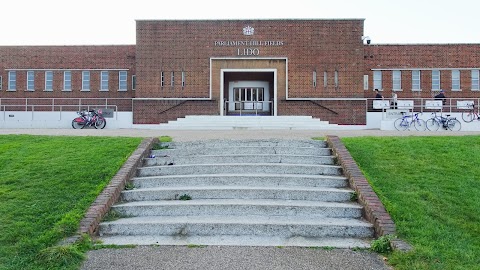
[[255, 107], [451, 105]]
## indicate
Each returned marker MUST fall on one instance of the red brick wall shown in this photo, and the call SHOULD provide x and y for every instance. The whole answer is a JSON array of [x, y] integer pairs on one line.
[[423, 56], [60, 58]]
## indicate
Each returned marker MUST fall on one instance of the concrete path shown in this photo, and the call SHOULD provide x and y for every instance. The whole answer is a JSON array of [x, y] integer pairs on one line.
[[192, 135], [228, 257]]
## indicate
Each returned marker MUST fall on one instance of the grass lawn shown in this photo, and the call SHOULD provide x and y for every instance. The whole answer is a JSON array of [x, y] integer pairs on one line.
[[46, 185], [431, 188]]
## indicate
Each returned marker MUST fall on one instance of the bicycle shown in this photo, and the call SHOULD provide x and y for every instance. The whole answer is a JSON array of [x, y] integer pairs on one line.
[[448, 123], [406, 121], [88, 119], [470, 115]]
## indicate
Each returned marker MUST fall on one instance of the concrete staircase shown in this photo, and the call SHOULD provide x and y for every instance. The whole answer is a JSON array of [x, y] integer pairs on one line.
[[252, 192], [248, 122]]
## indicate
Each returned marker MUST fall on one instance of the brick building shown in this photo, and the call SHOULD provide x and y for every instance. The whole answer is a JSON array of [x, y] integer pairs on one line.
[[321, 68]]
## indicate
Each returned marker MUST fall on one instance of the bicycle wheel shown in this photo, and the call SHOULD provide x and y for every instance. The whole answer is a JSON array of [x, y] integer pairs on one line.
[[100, 123], [468, 116], [401, 124], [454, 124], [76, 124], [432, 124], [420, 124]]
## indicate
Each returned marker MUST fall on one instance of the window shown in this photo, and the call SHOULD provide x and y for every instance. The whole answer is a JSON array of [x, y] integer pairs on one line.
[[435, 79], [336, 78], [134, 82], [416, 80], [67, 81], [397, 80], [475, 79], [12, 80], [314, 79], [162, 79], [1, 83], [30, 80], [456, 79], [172, 79], [104, 81], [183, 78], [325, 82], [122, 81], [48, 80], [365, 82], [377, 79], [85, 80]]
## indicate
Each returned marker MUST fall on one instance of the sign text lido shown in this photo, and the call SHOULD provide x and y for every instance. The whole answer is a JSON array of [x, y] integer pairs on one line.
[[251, 45]]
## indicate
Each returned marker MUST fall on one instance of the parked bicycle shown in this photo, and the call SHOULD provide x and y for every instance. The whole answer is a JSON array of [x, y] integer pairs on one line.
[[447, 123], [92, 118], [408, 120], [470, 115]]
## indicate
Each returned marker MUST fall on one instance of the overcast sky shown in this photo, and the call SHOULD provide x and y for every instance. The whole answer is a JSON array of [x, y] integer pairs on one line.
[[96, 22]]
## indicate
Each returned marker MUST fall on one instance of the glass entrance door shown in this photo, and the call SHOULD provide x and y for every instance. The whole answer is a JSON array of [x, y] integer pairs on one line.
[[248, 98]]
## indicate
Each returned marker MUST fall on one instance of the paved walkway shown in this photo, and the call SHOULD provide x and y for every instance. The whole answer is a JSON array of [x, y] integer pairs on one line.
[[191, 135], [228, 257]]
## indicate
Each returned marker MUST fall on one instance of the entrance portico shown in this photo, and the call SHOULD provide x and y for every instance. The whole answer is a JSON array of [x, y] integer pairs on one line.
[[249, 86]]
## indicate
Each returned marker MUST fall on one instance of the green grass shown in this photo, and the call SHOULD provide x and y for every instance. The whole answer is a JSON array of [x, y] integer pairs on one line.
[[46, 185], [431, 188]]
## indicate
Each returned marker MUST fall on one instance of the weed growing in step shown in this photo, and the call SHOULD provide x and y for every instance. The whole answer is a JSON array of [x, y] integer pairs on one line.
[[185, 197], [382, 244]]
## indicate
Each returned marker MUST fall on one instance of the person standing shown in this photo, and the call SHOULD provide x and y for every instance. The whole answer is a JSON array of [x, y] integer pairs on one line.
[[394, 100], [378, 96], [441, 96]]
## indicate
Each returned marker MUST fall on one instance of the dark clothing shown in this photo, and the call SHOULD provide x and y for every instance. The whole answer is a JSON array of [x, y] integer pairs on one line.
[[442, 97], [378, 96]]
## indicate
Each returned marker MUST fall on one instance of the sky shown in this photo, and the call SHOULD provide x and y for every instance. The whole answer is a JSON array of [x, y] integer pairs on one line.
[[112, 22]]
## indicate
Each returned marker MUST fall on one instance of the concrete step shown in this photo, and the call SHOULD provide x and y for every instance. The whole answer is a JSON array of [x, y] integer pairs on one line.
[[265, 180], [248, 142], [244, 150], [243, 192], [279, 226], [233, 240], [240, 168], [232, 158], [240, 207]]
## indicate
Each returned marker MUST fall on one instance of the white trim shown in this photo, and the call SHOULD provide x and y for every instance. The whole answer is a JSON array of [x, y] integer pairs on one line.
[[66, 69], [222, 73]]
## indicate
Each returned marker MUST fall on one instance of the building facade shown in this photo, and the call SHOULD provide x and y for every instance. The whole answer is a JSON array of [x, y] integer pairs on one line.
[[320, 68]]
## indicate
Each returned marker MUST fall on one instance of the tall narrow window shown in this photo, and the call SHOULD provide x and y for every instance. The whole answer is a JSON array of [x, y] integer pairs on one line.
[[435, 79], [48, 80], [475, 79], [104, 81], [134, 82], [183, 78], [122, 81], [12, 80], [314, 79], [456, 79], [1, 83], [377, 79], [85, 80], [172, 79], [325, 82], [162, 79], [67, 81], [365, 82], [30, 80], [397, 80], [416, 80], [336, 78]]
